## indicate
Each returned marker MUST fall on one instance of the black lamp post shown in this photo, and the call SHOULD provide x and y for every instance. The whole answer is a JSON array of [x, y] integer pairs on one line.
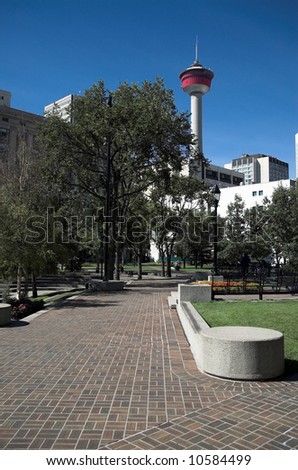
[[215, 191], [107, 206]]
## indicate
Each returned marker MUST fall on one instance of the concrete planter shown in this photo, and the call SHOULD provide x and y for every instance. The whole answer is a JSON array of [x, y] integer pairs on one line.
[[243, 353], [5, 314], [217, 278], [106, 286], [194, 293]]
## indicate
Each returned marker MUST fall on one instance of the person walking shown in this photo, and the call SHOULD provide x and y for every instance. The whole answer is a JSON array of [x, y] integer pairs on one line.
[[245, 262]]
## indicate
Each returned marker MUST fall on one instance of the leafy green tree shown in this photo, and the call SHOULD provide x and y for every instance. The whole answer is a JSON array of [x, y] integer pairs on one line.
[[115, 150], [282, 225], [199, 241], [138, 230], [234, 243], [259, 241], [22, 201], [246, 231], [171, 205]]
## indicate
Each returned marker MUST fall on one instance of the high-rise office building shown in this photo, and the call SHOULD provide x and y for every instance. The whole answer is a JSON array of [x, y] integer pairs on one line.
[[260, 168]]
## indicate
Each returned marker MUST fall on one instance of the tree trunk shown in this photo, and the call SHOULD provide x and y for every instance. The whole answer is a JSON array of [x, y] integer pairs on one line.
[[34, 286], [19, 282], [140, 254], [111, 259], [25, 289], [117, 262], [97, 260], [169, 272], [162, 258], [196, 262]]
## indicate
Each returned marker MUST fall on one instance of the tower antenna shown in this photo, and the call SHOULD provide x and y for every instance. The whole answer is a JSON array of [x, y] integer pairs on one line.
[[197, 47]]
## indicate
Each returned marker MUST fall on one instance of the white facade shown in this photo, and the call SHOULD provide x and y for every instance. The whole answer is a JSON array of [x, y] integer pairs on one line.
[[62, 106], [252, 194], [196, 119], [260, 168]]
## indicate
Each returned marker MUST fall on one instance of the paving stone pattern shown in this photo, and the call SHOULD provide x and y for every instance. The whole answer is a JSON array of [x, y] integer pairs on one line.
[[114, 371]]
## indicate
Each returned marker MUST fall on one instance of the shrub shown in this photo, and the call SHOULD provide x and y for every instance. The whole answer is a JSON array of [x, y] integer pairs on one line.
[[23, 307], [222, 286]]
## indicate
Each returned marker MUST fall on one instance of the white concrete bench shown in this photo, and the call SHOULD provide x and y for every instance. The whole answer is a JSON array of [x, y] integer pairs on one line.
[[235, 352], [242, 352]]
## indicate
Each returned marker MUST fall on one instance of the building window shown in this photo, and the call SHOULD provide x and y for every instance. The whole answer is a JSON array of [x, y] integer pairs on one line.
[[237, 180], [260, 193], [4, 132], [254, 193], [213, 175], [225, 178]]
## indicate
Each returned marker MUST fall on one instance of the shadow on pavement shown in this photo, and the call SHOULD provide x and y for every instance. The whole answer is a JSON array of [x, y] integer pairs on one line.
[[15, 324]]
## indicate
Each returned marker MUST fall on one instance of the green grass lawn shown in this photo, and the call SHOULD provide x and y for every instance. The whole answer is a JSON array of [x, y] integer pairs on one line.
[[57, 296], [152, 267], [280, 315]]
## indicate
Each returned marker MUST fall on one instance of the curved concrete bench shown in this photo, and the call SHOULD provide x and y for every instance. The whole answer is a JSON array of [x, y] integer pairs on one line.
[[243, 353], [5, 314], [234, 352]]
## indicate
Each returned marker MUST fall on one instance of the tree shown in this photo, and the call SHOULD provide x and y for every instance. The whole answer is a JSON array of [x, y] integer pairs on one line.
[[282, 225], [138, 230], [234, 242], [115, 152], [22, 201], [259, 241], [170, 205], [198, 242]]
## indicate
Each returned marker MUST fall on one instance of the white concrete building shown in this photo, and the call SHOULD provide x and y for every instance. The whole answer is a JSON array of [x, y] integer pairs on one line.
[[260, 168], [223, 177], [252, 194], [16, 127], [5, 98], [62, 106]]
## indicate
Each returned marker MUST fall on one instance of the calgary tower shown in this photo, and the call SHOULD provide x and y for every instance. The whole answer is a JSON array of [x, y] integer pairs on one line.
[[196, 81]]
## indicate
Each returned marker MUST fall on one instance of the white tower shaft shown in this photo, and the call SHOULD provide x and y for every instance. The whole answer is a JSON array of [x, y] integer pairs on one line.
[[196, 120]]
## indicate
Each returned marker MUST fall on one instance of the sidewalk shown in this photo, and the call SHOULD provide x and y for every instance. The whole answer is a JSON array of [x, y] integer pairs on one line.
[[114, 371]]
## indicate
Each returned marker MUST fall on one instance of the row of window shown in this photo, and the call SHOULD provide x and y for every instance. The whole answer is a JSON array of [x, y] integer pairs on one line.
[[255, 193], [224, 177], [242, 161]]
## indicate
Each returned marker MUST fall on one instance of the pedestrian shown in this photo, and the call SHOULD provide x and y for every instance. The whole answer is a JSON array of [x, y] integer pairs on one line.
[[245, 262]]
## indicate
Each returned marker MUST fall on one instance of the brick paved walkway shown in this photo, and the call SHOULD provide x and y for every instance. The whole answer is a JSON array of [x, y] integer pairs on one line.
[[114, 371]]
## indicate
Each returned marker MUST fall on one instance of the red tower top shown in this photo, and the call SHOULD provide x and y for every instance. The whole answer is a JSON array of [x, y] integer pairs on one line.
[[196, 79]]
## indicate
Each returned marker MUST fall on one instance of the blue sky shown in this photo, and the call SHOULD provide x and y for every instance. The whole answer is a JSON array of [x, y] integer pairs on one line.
[[51, 48]]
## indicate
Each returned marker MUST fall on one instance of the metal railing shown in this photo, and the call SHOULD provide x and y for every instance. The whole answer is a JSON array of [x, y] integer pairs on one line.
[[258, 281]]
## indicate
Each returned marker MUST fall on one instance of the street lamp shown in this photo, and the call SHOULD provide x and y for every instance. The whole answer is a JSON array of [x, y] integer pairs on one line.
[[107, 206], [215, 191]]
